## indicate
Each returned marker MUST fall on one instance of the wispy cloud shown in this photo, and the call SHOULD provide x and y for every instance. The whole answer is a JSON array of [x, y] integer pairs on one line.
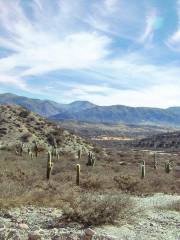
[[100, 43], [174, 40], [150, 27], [38, 50]]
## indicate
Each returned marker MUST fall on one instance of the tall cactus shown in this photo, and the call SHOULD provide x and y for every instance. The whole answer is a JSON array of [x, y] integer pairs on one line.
[[155, 163], [36, 149], [30, 154], [54, 151], [49, 165], [168, 167], [143, 170], [91, 159], [78, 170], [58, 156], [79, 154], [21, 149]]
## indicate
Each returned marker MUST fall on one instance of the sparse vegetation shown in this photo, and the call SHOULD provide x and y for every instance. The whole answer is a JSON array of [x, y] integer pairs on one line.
[[93, 196]]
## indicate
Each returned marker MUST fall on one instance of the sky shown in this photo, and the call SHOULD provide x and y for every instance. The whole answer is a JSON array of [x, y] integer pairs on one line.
[[105, 51]]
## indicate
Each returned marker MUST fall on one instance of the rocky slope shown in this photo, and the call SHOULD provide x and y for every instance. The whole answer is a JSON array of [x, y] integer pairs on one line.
[[18, 125], [168, 141]]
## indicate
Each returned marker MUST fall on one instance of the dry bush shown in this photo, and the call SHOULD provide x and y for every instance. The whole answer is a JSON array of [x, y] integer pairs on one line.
[[93, 182], [128, 183], [96, 209], [25, 137]]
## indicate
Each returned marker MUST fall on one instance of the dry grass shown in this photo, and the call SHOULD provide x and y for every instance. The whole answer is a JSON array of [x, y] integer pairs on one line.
[[97, 209], [98, 198]]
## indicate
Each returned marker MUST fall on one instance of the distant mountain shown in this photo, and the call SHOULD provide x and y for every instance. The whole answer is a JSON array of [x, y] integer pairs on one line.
[[88, 112], [43, 107], [123, 114]]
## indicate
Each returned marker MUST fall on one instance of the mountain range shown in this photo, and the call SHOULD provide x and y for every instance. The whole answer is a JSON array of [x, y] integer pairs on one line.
[[88, 112]]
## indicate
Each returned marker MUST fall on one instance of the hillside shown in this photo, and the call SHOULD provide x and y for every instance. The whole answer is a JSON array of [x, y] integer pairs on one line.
[[18, 125], [167, 141]]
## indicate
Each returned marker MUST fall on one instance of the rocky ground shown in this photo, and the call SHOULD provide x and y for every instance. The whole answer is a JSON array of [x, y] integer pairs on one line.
[[150, 222]]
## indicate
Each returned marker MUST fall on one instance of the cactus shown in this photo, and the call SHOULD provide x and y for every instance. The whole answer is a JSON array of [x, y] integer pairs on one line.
[[78, 169], [91, 159], [35, 149], [143, 170], [31, 154], [49, 165], [54, 151], [168, 167], [57, 156], [54, 143], [28, 150], [79, 154], [19, 149], [155, 162]]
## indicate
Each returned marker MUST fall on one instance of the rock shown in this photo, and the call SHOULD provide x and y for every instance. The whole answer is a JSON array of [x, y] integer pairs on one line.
[[2, 226], [90, 232], [7, 215], [23, 226], [34, 235]]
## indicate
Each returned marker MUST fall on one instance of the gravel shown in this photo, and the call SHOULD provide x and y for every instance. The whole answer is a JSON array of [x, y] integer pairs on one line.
[[150, 222]]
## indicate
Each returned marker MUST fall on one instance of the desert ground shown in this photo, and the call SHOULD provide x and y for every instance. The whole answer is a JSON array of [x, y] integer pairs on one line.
[[112, 200]]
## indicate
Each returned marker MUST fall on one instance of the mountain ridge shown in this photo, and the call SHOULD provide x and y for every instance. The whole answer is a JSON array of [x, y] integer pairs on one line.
[[86, 111]]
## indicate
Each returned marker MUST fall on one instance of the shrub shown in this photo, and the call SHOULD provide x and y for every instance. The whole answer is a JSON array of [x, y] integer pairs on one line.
[[128, 183], [24, 113], [97, 209], [25, 137]]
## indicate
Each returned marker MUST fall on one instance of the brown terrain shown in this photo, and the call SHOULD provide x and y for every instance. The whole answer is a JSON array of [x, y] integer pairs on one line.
[[107, 190]]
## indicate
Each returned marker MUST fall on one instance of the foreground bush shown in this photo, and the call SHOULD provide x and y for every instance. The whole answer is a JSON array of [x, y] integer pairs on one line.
[[97, 209]]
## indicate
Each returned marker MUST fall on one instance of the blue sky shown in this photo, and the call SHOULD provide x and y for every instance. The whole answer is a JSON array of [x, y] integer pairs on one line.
[[104, 51]]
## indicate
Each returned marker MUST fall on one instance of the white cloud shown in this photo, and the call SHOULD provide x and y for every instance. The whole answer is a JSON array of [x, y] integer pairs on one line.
[[13, 80], [154, 96], [174, 40], [150, 27], [78, 36], [37, 50], [111, 5]]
